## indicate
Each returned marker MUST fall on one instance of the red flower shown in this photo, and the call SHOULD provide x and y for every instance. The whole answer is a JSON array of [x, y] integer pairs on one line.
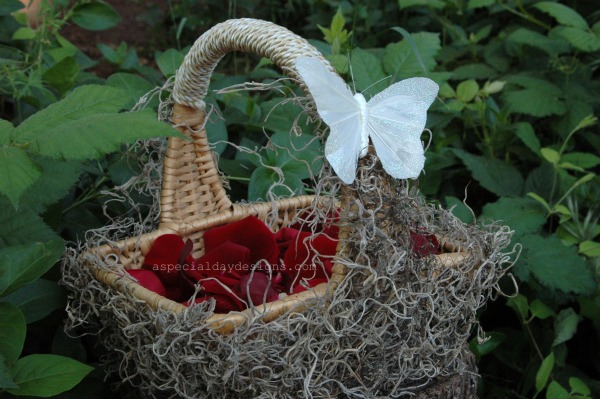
[[167, 257], [244, 263], [149, 280], [226, 259], [258, 287], [424, 244], [310, 257], [249, 232]]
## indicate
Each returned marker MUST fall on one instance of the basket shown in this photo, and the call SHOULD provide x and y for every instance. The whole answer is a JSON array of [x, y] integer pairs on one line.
[[193, 200]]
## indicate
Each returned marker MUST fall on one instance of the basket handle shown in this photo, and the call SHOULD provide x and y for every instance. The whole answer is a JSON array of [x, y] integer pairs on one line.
[[248, 35], [191, 183]]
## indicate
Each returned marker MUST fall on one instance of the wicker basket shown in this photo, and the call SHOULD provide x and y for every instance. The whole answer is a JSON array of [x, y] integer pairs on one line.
[[193, 198]]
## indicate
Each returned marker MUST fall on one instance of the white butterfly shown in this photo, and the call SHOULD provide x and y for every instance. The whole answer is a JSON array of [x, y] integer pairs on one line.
[[394, 120]]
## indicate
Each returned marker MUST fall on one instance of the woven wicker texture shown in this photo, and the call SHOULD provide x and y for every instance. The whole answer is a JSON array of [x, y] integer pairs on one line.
[[193, 198], [248, 35]]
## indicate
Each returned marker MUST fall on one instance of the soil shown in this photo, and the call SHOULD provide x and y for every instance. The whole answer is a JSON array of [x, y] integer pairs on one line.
[[140, 27]]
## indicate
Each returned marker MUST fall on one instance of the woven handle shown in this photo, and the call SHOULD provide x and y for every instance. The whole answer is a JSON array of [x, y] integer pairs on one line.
[[248, 35], [191, 183]]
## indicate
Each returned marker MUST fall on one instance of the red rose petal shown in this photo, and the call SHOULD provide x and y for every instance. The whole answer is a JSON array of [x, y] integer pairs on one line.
[[227, 259], [163, 258], [424, 244], [149, 280], [249, 232], [284, 237], [301, 257], [256, 285]]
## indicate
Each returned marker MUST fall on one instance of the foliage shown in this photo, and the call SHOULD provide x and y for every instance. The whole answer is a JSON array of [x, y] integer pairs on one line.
[[59, 124], [513, 134]]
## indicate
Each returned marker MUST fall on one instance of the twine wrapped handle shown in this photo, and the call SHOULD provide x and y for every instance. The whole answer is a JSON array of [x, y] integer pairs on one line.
[[192, 186], [248, 35]]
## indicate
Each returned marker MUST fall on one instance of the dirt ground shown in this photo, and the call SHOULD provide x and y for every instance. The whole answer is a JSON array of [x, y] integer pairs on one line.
[[140, 27]]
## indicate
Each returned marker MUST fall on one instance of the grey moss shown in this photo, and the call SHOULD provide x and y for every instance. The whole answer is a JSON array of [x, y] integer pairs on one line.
[[397, 322]]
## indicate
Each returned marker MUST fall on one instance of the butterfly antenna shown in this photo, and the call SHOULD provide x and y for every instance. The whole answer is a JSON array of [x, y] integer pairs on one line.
[[351, 73], [430, 138], [374, 83]]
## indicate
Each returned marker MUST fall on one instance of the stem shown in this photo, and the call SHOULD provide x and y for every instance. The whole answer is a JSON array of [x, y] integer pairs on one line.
[[537, 349], [89, 195], [238, 178], [525, 15]]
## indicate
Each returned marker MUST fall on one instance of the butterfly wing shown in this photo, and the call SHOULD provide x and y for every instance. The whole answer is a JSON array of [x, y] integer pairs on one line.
[[397, 118], [339, 110]]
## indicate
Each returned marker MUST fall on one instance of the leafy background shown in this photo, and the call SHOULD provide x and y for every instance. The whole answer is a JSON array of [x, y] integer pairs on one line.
[[514, 138]]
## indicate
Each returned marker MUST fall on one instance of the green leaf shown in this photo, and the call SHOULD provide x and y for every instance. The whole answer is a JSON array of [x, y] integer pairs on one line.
[[435, 4], [47, 375], [305, 153], [12, 333], [556, 391], [57, 178], [340, 62], [24, 33], [134, 84], [526, 37], [534, 102], [523, 215], [266, 182], [7, 7], [21, 227], [494, 175], [543, 373], [367, 72], [474, 71], [539, 181], [400, 60], [578, 386], [6, 380], [590, 249], [82, 102], [96, 15], [492, 341], [550, 155], [18, 173], [583, 40], [459, 209], [473, 4], [525, 132], [540, 200], [540, 310], [7, 131], [520, 305], [565, 326], [467, 90], [93, 136], [557, 266], [277, 115], [539, 98], [169, 61], [38, 299], [564, 15], [23, 264], [63, 74], [585, 160]]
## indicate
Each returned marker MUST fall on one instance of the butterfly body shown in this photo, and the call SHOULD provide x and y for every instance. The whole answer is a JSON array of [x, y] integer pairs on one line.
[[393, 119]]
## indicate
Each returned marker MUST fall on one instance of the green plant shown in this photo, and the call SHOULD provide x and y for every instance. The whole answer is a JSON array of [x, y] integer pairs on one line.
[[42, 159]]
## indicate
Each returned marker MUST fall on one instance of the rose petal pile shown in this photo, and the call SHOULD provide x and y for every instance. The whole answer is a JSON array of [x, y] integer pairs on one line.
[[244, 263]]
